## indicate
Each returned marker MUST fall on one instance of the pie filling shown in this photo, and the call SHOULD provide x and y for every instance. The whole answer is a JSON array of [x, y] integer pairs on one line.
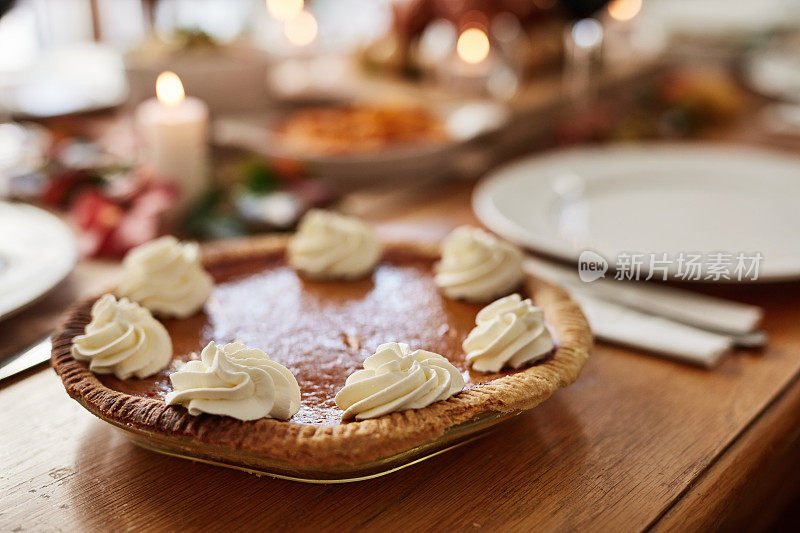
[[320, 330]]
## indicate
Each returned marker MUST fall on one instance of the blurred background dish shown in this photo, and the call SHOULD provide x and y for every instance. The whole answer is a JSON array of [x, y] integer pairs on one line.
[[76, 79], [367, 142], [651, 199], [308, 102], [37, 251]]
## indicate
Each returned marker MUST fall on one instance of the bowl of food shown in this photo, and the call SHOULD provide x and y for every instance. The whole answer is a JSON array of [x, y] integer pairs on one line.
[[367, 142]]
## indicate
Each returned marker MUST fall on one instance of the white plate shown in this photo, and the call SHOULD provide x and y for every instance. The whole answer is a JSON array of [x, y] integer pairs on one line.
[[37, 251], [651, 199]]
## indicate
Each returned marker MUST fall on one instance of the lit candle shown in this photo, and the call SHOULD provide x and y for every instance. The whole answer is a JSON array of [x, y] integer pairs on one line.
[[174, 128]]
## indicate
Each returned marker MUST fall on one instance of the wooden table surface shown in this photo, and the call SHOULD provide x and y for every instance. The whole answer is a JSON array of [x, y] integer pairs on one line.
[[637, 442]]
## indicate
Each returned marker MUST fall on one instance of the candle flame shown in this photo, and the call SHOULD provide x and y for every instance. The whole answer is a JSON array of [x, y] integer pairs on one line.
[[169, 89], [623, 10], [301, 29], [285, 10], [473, 46]]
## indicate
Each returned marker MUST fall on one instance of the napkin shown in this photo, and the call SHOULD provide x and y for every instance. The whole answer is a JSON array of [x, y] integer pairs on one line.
[[681, 324], [689, 307], [617, 324]]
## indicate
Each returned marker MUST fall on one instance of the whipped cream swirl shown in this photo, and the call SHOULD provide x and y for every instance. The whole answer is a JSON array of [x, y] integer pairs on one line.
[[237, 381], [477, 266], [509, 332], [123, 339], [331, 246], [395, 379], [165, 276]]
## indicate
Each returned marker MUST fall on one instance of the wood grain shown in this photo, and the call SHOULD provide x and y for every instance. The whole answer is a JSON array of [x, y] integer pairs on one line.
[[636, 442], [752, 482]]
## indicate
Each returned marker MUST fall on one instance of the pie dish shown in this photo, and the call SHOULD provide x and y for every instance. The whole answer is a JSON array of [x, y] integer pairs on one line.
[[322, 331]]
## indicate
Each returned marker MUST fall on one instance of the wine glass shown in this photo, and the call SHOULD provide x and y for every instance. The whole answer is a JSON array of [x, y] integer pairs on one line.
[[583, 43]]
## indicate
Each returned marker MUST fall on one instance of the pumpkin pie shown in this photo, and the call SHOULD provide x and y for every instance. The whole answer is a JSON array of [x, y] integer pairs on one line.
[[322, 331]]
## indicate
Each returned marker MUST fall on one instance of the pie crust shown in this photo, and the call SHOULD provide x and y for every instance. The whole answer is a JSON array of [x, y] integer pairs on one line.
[[348, 443]]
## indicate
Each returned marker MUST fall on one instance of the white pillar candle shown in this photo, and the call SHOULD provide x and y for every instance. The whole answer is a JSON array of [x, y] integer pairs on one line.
[[174, 128]]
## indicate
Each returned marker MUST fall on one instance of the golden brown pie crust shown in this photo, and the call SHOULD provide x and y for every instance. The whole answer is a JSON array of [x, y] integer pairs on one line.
[[326, 445]]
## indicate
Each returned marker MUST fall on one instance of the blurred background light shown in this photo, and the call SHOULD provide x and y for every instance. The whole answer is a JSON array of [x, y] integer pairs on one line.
[[623, 10], [285, 10], [587, 33], [473, 45], [301, 30]]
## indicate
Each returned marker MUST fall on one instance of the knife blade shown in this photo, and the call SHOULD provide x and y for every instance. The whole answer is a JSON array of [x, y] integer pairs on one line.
[[28, 358]]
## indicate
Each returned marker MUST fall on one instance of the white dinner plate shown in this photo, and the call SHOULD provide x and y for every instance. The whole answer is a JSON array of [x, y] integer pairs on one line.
[[651, 199], [37, 251]]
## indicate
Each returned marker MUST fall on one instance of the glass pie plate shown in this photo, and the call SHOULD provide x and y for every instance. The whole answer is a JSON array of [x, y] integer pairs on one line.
[[260, 464], [327, 451]]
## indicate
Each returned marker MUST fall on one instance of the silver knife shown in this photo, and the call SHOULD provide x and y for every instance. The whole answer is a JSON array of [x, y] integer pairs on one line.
[[28, 358]]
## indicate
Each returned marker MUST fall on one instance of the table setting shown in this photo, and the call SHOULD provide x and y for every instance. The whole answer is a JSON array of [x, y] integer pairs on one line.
[[410, 264]]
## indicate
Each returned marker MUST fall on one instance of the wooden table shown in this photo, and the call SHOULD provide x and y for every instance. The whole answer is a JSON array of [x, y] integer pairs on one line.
[[636, 443]]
